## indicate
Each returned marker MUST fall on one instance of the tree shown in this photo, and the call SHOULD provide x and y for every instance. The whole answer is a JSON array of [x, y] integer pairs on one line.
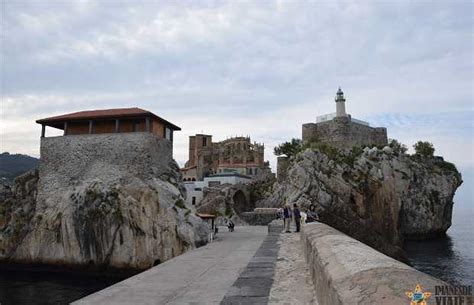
[[424, 148], [288, 149], [397, 146]]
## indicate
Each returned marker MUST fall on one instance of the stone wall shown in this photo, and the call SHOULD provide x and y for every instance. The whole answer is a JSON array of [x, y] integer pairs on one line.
[[346, 271], [282, 168], [65, 159], [258, 219], [341, 132]]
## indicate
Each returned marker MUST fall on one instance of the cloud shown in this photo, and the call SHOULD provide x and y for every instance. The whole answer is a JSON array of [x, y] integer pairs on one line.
[[229, 68]]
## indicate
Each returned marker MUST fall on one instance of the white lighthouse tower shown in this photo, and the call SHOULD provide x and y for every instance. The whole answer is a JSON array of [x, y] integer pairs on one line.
[[340, 103]]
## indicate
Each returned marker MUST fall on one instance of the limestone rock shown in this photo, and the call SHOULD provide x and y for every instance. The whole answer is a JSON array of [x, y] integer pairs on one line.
[[377, 196], [111, 201]]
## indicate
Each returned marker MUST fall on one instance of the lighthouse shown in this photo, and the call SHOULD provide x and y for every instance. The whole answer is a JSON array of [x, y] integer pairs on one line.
[[340, 103]]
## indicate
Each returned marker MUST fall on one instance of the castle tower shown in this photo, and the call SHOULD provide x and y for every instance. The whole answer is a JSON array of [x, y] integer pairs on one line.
[[340, 103]]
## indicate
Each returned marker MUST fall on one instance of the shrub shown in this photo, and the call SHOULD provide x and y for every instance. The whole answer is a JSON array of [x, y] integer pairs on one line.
[[180, 204], [397, 146], [447, 166], [424, 148], [288, 149]]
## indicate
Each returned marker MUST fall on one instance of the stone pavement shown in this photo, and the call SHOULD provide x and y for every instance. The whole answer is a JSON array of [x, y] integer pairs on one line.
[[200, 276], [254, 283], [292, 282]]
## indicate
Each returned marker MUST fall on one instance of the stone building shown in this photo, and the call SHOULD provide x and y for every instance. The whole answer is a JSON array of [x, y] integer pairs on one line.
[[236, 154], [339, 129], [195, 189], [122, 120]]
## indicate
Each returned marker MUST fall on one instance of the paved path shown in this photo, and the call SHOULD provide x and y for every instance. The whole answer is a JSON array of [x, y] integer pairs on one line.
[[254, 283], [292, 283], [201, 276]]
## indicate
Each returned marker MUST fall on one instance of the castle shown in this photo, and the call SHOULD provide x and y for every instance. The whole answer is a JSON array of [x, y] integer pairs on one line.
[[340, 130], [236, 155]]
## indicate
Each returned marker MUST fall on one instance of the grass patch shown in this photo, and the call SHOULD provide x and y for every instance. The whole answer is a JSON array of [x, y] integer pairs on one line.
[[180, 204]]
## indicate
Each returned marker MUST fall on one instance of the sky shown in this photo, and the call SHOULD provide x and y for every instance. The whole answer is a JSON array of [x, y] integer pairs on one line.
[[259, 68]]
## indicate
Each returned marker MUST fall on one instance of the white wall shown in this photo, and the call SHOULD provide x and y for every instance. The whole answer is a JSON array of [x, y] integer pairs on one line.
[[195, 188]]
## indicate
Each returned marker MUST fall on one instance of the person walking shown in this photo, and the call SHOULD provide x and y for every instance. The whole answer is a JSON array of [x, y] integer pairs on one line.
[[297, 216], [287, 218]]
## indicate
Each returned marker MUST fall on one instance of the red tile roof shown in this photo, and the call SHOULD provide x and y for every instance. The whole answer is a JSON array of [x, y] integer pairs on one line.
[[104, 114]]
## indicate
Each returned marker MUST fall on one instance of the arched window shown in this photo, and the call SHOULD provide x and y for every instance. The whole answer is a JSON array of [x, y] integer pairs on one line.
[[194, 179]]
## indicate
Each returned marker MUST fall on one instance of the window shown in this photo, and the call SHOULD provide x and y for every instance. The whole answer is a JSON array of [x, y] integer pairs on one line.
[[136, 126], [214, 183], [204, 141], [198, 189], [194, 200], [169, 134]]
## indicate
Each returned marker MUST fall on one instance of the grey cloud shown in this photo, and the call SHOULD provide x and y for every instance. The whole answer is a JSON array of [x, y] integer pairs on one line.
[[228, 68]]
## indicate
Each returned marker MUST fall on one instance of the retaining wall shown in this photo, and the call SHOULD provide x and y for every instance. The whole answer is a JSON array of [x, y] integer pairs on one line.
[[346, 271]]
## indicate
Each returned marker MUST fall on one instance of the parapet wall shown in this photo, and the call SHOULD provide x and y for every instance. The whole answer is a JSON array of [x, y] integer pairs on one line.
[[347, 272]]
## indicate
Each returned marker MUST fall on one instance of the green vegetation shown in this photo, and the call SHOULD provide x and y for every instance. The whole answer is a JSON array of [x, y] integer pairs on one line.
[[295, 146], [448, 166], [13, 165], [228, 211], [288, 149], [424, 148], [180, 204], [397, 146]]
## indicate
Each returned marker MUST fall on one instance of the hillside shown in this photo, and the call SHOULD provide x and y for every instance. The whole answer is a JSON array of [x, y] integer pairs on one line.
[[13, 165]]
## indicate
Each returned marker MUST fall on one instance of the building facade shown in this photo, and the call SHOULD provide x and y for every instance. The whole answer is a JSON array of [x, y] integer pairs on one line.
[[195, 189], [340, 130], [122, 120], [237, 155]]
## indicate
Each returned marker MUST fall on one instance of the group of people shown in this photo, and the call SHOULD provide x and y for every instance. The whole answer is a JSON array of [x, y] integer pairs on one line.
[[287, 214]]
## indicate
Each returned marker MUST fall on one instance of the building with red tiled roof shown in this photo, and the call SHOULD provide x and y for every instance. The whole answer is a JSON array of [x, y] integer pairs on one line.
[[119, 120]]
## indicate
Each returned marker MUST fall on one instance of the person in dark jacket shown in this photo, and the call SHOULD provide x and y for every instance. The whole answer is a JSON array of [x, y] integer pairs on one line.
[[287, 218], [311, 214], [230, 225], [297, 216]]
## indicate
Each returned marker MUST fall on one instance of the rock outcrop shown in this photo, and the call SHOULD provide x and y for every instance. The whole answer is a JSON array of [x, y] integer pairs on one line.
[[377, 196], [226, 201], [105, 200], [237, 202]]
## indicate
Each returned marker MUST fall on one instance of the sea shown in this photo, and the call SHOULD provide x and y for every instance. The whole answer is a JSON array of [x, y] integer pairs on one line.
[[450, 258]]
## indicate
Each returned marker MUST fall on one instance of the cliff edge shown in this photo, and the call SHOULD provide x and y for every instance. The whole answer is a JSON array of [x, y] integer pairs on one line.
[[108, 200], [377, 196]]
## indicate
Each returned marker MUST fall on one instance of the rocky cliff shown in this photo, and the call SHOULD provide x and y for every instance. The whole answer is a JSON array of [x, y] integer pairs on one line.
[[376, 195], [108, 200], [237, 202]]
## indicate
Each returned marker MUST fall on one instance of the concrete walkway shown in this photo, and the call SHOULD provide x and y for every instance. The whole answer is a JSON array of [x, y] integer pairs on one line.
[[201, 276], [292, 283], [254, 283]]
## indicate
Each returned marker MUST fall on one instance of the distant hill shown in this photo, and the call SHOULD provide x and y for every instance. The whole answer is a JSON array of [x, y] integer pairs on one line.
[[13, 165]]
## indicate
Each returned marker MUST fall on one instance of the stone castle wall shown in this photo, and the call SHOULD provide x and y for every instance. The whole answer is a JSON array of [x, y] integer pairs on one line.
[[341, 132], [68, 160]]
